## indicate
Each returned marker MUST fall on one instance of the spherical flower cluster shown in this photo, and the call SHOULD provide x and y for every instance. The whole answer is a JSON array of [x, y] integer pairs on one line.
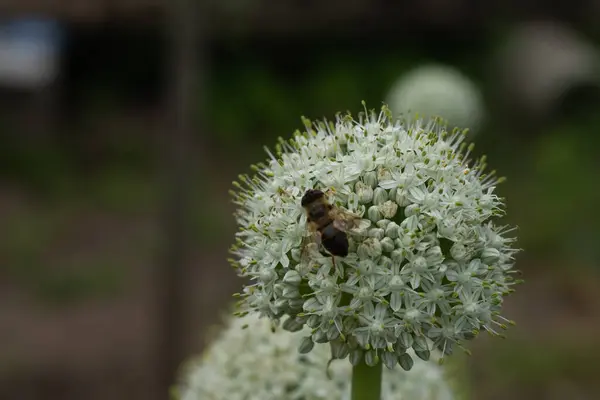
[[437, 90], [426, 266], [540, 63], [258, 364]]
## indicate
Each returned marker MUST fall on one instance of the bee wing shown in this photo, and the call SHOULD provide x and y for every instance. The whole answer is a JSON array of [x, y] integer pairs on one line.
[[310, 244], [347, 221]]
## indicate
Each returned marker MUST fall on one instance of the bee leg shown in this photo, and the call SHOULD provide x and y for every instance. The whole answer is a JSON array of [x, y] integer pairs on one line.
[[329, 194], [340, 271]]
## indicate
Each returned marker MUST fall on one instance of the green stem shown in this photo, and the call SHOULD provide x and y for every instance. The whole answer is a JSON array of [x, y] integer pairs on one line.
[[366, 382]]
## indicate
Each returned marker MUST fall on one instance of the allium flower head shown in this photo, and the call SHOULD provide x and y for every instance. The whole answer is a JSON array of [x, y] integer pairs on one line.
[[258, 364], [427, 267], [541, 62], [437, 90]]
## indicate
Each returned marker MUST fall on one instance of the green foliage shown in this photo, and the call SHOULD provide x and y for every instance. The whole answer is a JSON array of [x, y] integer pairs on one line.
[[248, 102], [40, 165], [123, 191], [558, 186], [88, 279], [252, 101], [29, 258], [530, 362]]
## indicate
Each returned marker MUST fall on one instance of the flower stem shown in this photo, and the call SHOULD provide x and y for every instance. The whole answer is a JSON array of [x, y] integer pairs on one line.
[[366, 382]]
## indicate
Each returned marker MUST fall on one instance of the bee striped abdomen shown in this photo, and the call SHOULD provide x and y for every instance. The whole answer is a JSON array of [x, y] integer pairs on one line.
[[334, 240]]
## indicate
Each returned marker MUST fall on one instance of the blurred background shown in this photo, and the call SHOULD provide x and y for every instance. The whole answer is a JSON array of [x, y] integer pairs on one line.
[[123, 123]]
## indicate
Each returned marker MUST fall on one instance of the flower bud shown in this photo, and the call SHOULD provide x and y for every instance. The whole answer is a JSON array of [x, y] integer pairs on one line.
[[364, 192], [380, 196], [371, 358], [370, 179], [399, 350], [388, 209], [292, 325], [320, 336], [356, 356], [423, 355], [376, 233], [369, 249], [296, 303], [374, 214], [292, 278], [389, 359], [313, 321], [405, 339], [332, 333], [387, 245], [383, 223], [420, 344], [402, 199], [339, 349], [406, 361], [311, 305], [391, 230], [306, 345], [392, 193], [281, 303], [296, 254], [268, 275], [490, 256], [290, 292], [458, 251]]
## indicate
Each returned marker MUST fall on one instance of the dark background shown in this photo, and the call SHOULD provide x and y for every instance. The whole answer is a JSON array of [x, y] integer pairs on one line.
[[114, 214]]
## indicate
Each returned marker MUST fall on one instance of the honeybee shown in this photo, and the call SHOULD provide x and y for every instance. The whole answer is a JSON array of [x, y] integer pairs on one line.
[[329, 224]]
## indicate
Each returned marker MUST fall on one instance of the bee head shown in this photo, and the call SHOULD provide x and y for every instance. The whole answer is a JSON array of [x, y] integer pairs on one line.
[[310, 196]]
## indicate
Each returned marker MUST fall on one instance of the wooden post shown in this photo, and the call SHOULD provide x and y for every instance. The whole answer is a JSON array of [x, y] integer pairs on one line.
[[185, 47]]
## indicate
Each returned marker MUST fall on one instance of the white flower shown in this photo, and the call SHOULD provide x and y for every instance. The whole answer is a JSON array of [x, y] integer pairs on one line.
[[438, 91], [258, 364], [427, 268], [540, 63]]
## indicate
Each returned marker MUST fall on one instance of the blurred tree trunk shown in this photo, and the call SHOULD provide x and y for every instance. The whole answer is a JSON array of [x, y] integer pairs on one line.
[[185, 47]]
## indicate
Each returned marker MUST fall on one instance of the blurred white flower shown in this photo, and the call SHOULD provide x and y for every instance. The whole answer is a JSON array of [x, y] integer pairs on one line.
[[427, 264], [438, 91], [540, 62], [258, 364]]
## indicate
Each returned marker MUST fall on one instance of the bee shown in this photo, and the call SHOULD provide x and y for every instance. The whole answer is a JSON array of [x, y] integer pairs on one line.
[[327, 223]]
